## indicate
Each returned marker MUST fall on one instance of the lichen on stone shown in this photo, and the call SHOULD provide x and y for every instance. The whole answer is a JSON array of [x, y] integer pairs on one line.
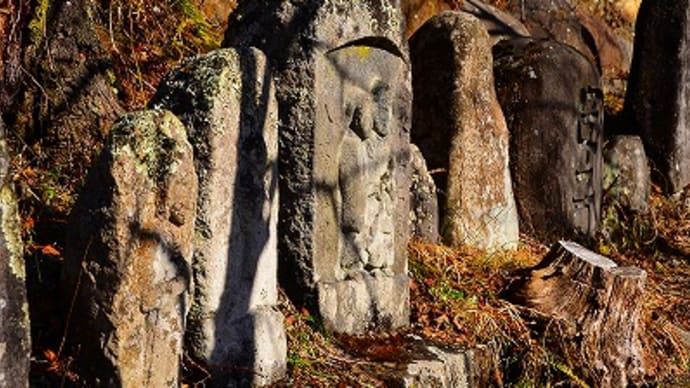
[[11, 232]]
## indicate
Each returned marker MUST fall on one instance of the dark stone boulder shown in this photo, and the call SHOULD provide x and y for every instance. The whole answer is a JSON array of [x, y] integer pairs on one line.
[[460, 129], [551, 96]]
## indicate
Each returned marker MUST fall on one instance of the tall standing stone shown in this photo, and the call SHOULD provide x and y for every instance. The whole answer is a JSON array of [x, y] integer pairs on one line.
[[127, 268], [459, 127], [659, 88], [551, 96], [15, 348], [227, 101], [343, 88]]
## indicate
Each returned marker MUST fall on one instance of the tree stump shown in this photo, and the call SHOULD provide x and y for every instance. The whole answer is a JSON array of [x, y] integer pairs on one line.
[[599, 304]]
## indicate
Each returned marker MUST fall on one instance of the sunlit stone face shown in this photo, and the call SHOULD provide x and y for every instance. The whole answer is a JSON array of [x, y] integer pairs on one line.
[[357, 91]]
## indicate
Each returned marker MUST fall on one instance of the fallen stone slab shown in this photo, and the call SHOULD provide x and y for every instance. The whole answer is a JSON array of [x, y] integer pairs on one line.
[[460, 129], [499, 24], [226, 99], [445, 367], [127, 272], [15, 344]]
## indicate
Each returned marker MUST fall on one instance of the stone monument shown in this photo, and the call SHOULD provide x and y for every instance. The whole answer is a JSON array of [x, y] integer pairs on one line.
[[552, 99], [460, 129], [343, 87], [227, 101], [127, 272]]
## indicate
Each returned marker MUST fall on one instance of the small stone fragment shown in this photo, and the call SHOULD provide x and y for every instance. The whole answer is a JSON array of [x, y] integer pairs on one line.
[[626, 173], [424, 201]]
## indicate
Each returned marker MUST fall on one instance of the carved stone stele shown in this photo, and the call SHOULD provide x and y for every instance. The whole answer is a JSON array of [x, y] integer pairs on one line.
[[343, 87]]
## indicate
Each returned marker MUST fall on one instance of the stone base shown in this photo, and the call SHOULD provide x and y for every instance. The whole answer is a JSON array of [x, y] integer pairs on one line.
[[365, 302], [257, 357]]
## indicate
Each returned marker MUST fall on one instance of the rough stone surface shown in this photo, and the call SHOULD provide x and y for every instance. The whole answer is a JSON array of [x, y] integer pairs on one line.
[[424, 201], [227, 101], [557, 20], [597, 304], [459, 127], [343, 88], [15, 347], [499, 24], [626, 173], [447, 368], [128, 255], [551, 96], [659, 88]]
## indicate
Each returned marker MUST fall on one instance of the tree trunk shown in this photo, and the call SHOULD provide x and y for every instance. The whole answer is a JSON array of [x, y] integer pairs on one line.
[[597, 306]]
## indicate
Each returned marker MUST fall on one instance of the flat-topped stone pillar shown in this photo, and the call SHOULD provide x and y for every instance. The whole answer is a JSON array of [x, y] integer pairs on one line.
[[226, 99]]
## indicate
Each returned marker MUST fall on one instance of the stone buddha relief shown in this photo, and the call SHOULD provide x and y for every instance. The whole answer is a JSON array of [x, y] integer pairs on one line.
[[358, 87]]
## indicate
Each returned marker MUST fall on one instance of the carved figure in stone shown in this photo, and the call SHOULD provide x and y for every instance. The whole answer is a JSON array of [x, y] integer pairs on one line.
[[366, 161]]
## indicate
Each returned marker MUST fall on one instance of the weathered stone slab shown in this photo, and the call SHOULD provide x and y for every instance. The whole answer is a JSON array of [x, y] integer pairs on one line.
[[626, 173], [424, 201], [599, 306], [227, 101], [659, 88], [15, 347], [128, 255], [551, 96], [343, 88], [459, 127], [446, 367]]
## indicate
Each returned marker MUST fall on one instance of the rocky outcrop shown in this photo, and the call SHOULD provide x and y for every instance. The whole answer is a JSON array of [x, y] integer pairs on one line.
[[127, 271], [227, 101], [343, 89], [657, 101], [15, 347], [460, 128], [551, 96]]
